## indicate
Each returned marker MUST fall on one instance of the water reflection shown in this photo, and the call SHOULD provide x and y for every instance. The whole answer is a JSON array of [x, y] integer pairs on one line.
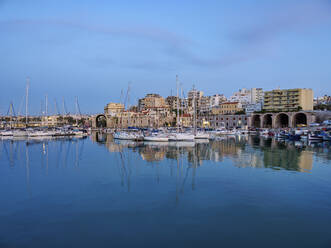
[[244, 151], [179, 159], [30, 152]]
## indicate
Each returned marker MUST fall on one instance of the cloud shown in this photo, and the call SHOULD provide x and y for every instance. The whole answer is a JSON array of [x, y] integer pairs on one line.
[[179, 49], [291, 18], [247, 44]]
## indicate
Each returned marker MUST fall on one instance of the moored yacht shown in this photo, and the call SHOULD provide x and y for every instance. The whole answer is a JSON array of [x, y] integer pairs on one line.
[[6, 133], [181, 137]]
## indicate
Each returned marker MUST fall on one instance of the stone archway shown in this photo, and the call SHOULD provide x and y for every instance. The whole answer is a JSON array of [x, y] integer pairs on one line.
[[101, 121], [300, 119], [267, 121], [282, 120], [256, 121]]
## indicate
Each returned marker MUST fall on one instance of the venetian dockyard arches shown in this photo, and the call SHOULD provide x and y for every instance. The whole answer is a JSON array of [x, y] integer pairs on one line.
[[256, 121], [267, 121], [300, 119], [282, 120], [101, 121]]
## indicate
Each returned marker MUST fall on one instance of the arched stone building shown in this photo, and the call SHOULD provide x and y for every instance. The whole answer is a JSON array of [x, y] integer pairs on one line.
[[281, 120]]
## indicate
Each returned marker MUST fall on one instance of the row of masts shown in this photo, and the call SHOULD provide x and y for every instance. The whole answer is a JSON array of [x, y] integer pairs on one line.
[[194, 107], [43, 112]]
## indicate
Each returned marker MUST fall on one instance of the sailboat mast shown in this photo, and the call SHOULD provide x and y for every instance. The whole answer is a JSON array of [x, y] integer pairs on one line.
[[27, 100], [194, 112], [128, 105], [76, 111], [46, 109], [177, 103]]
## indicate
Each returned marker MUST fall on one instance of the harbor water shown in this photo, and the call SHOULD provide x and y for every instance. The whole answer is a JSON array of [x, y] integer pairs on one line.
[[239, 191]]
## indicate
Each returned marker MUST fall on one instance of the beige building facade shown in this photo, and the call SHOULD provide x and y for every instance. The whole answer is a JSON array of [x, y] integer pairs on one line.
[[152, 101], [288, 100], [114, 108], [227, 108]]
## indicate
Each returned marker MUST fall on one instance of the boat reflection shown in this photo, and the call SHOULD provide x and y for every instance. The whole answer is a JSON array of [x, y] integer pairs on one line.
[[178, 162], [244, 151]]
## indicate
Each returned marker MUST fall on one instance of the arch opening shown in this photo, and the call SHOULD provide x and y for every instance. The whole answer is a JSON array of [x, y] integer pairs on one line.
[[282, 120], [101, 121], [256, 121], [267, 121], [300, 119]]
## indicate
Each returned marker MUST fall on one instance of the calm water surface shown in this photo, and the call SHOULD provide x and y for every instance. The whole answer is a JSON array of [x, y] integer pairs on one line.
[[96, 192]]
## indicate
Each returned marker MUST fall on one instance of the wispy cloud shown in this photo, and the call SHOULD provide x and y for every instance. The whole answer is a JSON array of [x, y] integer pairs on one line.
[[247, 44], [291, 18]]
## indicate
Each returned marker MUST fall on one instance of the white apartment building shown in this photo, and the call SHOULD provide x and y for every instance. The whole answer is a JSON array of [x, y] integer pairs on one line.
[[216, 100], [243, 96], [256, 95]]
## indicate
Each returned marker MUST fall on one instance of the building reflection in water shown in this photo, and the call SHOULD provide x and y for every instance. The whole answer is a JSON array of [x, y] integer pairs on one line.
[[245, 151], [183, 158]]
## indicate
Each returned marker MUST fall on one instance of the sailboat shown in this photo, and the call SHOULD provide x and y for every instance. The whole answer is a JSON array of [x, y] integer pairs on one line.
[[157, 137], [198, 134], [180, 136]]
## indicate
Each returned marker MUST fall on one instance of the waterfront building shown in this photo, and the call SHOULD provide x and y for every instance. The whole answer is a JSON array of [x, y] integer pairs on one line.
[[151, 101], [288, 100], [113, 108], [253, 107], [256, 95], [243, 96], [194, 94], [222, 121], [227, 108], [51, 120], [186, 120], [205, 104], [217, 99], [172, 102], [326, 100]]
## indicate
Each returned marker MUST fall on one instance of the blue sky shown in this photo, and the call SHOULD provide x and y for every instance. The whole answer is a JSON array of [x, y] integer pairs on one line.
[[92, 49]]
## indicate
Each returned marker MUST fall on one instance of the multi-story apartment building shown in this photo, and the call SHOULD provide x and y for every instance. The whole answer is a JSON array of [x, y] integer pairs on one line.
[[288, 100], [205, 104], [227, 108], [322, 100], [217, 99], [256, 95], [222, 121], [194, 94], [151, 101], [243, 96]]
